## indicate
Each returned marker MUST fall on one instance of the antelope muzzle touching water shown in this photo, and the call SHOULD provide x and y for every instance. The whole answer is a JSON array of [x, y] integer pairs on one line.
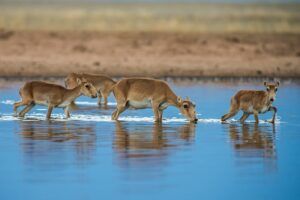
[[253, 102], [51, 95], [139, 93], [102, 83]]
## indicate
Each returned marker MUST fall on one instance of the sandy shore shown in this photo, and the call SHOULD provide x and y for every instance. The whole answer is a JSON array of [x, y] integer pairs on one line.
[[38, 53]]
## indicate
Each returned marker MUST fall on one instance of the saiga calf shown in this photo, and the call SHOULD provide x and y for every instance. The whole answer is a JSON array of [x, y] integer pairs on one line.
[[253, 102], [102, 83], [51, 95]]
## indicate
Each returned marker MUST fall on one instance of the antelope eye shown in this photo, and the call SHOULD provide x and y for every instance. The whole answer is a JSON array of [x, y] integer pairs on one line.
[[87, 87], [185, 106]]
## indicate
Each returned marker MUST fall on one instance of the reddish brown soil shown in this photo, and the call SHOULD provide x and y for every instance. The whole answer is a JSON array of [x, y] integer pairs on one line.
[[149, 54]]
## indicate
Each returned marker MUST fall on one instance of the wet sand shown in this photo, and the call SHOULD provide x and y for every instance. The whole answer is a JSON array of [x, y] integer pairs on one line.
[[155, 54]]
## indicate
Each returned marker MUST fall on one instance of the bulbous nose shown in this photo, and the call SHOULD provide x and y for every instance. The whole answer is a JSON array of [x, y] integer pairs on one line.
[[195, 120]]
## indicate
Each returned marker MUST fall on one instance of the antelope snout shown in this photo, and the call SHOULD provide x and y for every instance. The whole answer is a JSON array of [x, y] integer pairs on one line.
[[194, 120]]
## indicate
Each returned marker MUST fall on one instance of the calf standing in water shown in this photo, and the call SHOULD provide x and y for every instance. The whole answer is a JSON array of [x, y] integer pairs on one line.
[[139, 93], [102, 83], [253, 102], [51, 95]]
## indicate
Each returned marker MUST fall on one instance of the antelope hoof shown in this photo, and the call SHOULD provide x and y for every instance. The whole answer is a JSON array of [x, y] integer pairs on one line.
[[20, 116]]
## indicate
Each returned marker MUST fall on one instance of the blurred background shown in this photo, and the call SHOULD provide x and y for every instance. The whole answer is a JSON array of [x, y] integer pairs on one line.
[[169, 38]]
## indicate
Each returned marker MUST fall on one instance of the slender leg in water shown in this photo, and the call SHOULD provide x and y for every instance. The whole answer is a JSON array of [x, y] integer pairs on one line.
[[16, 105], [50, 108], [99, 98], [229, 115], [274, 109], [118, 111], [67, 112], [156, 114], [26, 109], [256, 117], [244, 117]]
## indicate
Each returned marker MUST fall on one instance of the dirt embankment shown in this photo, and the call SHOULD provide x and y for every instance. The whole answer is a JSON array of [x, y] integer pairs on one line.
[[38, 53]]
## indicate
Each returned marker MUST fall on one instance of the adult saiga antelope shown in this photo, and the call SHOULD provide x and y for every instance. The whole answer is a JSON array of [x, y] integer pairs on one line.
[[51, 95], [102, 83], [139, 93], [253, 102]]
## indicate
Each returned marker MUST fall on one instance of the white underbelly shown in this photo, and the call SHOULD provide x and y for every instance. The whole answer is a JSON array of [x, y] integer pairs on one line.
[[140, 104], [250, 109], [45, 103], [264, 109], [63, 105]]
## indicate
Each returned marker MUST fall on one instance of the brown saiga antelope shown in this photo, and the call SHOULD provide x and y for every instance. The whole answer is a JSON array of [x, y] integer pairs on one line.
[[51, 95], [253, 102], [103, 84], [139, 93]]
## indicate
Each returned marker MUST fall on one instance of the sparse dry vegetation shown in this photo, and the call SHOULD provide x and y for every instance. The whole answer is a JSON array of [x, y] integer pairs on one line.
[[202, 40], [279, 18]]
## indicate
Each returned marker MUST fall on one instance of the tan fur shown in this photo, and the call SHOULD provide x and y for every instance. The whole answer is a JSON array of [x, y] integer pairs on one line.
[[253, 102], [51, 95], [102, 83], [139, 93]]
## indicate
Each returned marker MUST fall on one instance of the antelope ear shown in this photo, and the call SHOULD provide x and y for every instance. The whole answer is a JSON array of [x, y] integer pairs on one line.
[[265, 83], [277, 83], [179, 100], [79, 81]]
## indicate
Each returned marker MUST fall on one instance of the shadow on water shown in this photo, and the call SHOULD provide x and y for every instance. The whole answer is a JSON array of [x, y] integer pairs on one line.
[[149, 146], [44, 140], [252, 142]]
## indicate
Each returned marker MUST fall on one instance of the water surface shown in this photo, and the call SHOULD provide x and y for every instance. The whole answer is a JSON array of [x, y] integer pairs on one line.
[[91, 157]]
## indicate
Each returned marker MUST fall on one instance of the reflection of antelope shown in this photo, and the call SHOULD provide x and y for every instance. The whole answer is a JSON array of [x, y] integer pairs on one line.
[[253, 102], [51, 95], [248, 137], [140, 93], [80, 139], [102, 83], [139, 139]]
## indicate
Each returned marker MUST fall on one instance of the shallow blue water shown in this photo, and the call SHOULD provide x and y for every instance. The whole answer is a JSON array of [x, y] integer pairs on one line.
[[91, 157]]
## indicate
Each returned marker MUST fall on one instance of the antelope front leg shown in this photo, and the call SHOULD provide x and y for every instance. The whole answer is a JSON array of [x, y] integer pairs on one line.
[[160, 112], [16, 105], [26, 109], [274, 109], [256, 117], [99, 98], [50, 108], [67, 112], [156, 112], [105, 100], [120, 108]]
